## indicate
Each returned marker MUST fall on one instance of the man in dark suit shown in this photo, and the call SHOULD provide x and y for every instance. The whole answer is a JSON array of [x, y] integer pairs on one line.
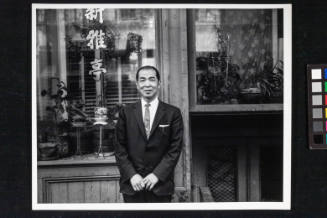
[[149, 141]]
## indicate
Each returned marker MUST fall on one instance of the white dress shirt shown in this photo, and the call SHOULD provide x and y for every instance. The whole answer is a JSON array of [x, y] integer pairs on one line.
[[153, 109]]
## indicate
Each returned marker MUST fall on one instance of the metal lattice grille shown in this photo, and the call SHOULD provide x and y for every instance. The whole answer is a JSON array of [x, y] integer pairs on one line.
[[221, 174]]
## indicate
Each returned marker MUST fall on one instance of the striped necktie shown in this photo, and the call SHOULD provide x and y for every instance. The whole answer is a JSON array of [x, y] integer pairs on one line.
[[146, 120]]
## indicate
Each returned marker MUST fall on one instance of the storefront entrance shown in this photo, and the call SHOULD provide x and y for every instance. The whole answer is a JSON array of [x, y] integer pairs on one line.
[[237, 157]]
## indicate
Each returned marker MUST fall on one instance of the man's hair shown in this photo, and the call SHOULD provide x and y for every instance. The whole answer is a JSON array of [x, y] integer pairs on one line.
[[145, 68]]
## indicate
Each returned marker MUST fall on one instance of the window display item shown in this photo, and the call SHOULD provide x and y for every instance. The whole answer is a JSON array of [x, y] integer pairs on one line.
[[238, 61], [100, 116], [101, 120]]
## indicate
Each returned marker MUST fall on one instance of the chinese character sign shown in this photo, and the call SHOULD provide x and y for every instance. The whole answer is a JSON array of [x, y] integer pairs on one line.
[[92, 13], [96, 38], [97, 70]]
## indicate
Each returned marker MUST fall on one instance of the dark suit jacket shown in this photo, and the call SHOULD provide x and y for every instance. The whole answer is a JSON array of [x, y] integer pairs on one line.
[[158, 154]]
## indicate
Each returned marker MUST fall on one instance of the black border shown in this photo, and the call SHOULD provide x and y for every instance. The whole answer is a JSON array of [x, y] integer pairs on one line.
[[309, 174]]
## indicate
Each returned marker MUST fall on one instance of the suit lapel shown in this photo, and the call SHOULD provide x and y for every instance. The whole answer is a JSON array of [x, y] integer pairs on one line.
[[139, 118], [157, 117]]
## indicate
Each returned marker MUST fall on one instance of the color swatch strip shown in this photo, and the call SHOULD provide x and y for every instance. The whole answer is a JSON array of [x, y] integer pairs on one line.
[[317, 105]]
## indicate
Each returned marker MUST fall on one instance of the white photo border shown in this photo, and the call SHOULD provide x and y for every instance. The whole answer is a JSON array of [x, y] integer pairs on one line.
[[287, 118]]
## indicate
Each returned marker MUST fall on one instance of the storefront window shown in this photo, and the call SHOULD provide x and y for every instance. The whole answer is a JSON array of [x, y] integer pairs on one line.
[[239, 56], [73, 46]]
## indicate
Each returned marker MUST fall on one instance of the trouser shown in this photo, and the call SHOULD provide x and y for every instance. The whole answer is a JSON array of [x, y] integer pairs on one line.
[[146, 196]]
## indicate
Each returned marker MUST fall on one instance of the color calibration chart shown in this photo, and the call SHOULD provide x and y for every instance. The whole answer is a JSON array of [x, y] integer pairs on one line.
[[317, 106]]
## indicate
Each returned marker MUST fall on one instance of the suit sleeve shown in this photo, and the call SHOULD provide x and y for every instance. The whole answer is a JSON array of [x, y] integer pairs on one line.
[[167, 165], [125, 166]]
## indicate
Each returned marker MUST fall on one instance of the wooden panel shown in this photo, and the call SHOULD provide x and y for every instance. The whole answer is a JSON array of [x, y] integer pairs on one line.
[[236, 108], [180, 195], [254, 173], [175, 71], [252, 126], [179, 172], [104, 190], [195, 194], [108, 191], [78, 183], [40, 192], [76, 192], [206, 195], [88, 161], [191, 58], [162, 54], [78, 171], [92, 192], [58, 193], [275, 36], [62, 66], [63, 190], [114, 188], [120, 197], [241, 173], [199, 170]]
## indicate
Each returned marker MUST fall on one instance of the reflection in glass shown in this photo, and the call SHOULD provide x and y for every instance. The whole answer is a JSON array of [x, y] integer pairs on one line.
[[239, 56], [67, 94]]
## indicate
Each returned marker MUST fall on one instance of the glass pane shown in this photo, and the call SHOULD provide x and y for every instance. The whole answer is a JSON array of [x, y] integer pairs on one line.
[[239, 56], [87, 59]]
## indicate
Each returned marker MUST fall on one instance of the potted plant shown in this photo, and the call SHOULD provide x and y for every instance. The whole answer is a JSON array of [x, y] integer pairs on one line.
[[262, 86], [55, 135]]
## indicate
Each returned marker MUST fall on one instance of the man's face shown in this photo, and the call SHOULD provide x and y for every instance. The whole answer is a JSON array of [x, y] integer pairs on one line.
[[148, 84]]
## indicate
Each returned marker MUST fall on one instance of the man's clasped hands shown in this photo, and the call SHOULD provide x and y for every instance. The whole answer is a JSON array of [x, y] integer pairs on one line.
[[138, 183]]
